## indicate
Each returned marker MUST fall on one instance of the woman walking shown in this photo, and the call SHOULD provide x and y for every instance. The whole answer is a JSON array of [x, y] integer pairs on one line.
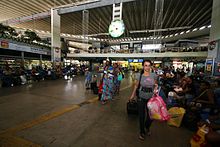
[[107, 89], [145, 86]]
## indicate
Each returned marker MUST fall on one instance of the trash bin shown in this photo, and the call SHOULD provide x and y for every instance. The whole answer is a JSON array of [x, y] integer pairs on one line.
[[176, 116]]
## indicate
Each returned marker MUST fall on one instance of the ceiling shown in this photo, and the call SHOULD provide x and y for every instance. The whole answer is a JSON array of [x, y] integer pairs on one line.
[[137, 15]]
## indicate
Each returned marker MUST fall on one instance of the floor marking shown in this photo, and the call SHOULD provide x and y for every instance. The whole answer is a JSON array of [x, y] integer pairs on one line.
[[39, 120], [14, 141], [8, 138]]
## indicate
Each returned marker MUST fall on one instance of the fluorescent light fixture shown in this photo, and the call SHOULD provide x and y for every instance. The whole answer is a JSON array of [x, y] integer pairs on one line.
[[181, 33], [188, 31], [209, 26], [166, 36], [195, 29], [160, 30], [151, 46], [176, 34], [157, 61], [171, 35], [202, 28], [99, 34], [76, 4]]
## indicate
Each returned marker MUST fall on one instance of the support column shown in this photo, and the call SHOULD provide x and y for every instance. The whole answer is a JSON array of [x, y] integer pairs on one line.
[[85, 27], [40, 60], [22, 56], [158, 20], [213, 60], [55, 37]]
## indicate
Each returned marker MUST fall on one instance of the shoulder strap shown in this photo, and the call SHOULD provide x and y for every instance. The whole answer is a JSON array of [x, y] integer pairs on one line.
[[201, 94], [139, 81]]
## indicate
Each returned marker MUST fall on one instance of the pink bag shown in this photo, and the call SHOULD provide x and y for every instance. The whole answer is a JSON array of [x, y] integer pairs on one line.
[[157, 108]]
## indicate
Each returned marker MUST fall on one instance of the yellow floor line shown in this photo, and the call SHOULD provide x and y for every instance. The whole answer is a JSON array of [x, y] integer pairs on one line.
[[39, 120], [13, 141], [8, 140]]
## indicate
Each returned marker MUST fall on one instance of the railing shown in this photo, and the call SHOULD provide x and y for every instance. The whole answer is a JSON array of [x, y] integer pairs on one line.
[[131, 51]]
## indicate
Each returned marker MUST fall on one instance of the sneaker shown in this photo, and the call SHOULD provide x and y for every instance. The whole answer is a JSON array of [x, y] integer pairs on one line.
[[141, 137], [149, 133], [103, 102]]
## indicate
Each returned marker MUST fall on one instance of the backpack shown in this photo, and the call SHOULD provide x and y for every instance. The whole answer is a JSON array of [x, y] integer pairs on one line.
[[157, 109]]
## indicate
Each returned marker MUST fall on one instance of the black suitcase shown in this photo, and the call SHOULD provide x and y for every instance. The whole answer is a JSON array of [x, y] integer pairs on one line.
[[95, 90], [93, 85], [132, 107]]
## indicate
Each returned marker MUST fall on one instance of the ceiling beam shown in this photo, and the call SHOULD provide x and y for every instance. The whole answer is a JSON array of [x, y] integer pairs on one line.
[[87, 6]]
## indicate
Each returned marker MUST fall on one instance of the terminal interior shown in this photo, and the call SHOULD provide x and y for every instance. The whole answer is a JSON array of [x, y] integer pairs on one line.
[[54, 70]]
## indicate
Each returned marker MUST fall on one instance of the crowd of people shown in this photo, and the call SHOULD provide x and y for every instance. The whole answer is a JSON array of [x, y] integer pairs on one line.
[[199, 95], [196, 94], [109, 83], [19, 75]]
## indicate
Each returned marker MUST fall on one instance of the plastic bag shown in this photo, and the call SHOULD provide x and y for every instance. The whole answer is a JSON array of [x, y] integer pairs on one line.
[[176, 116], [157, 109], [198, 139]]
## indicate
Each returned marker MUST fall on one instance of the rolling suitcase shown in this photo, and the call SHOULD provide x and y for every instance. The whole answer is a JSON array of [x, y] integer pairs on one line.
[[95, 90], [132, 107], [93, 85]]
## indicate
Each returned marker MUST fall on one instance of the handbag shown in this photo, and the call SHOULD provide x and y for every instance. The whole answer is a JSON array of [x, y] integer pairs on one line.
[[132, 107], [120, 77]]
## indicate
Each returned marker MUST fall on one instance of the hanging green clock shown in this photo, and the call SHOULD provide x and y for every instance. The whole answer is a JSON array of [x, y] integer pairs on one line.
[[116, 28]]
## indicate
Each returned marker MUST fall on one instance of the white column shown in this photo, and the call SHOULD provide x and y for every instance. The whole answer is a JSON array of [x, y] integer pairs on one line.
[[55, 37]]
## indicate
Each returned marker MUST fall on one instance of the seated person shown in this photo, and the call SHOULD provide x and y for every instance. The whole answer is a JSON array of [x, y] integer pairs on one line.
[[206, 97], [203, 103], [213, 135], [217, 93]]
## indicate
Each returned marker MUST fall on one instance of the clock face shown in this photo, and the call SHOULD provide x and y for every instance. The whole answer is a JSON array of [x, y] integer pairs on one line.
[[116, 28]]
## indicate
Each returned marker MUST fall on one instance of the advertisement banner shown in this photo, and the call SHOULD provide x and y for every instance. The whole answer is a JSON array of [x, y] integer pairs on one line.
[[23, 48], [209, 66], [4, 44], [57, 54]]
